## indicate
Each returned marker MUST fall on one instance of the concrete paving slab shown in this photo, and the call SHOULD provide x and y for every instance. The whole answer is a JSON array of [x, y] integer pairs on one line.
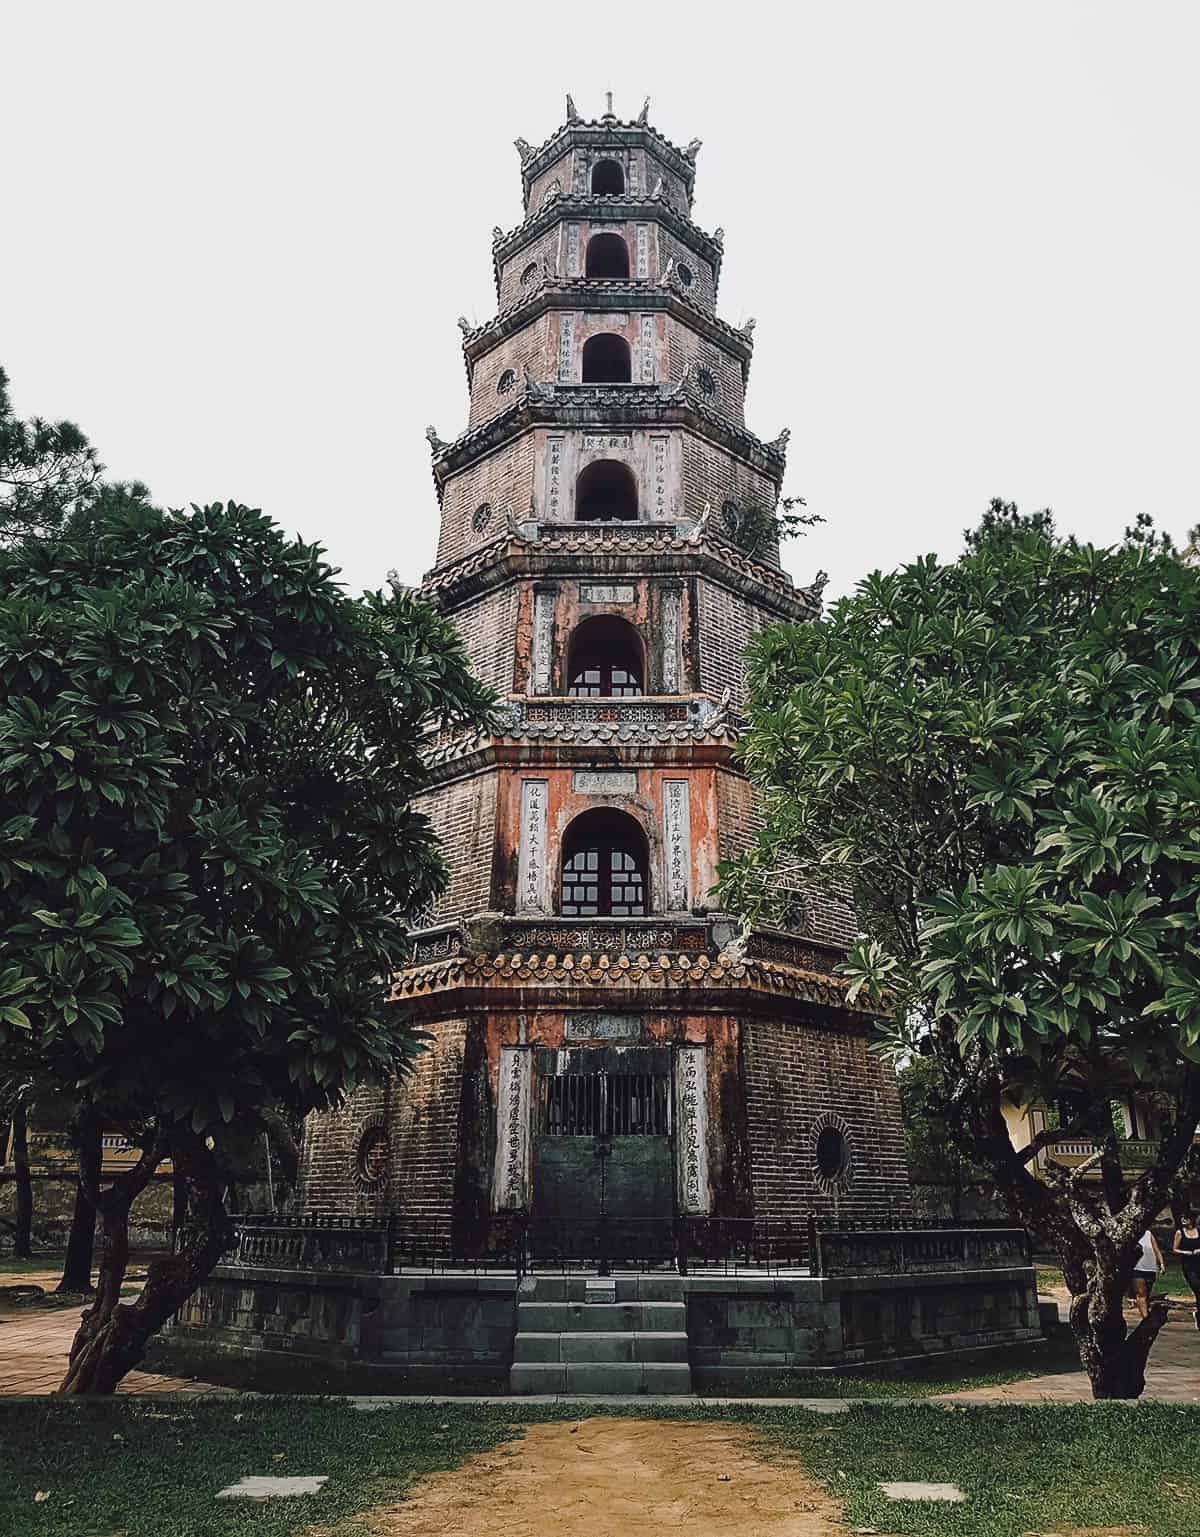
[[950, 1494], [259, 1487]]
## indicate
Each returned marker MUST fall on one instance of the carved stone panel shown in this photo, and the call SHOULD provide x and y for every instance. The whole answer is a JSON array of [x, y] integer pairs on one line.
[[677, 845], [566, 346], [669, 629], [532, 859], [643, 251], [554, 473], [602, 1027], [646, 344], [572, 250], [590, 593], [660, 479], [543, 641], [691, 1131], [511, 1188], [604, 782]]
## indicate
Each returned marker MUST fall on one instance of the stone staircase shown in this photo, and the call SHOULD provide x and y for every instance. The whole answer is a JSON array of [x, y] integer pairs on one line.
[[588, 1334]]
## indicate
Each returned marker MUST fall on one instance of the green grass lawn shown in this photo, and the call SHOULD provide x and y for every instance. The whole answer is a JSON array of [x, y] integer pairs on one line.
[[1035, 1469], [128, 1469]]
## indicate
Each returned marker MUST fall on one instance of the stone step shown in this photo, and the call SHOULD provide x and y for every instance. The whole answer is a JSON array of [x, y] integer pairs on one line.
[[601, 1377], [607, 1317], [576, 1288], [597, 1345]]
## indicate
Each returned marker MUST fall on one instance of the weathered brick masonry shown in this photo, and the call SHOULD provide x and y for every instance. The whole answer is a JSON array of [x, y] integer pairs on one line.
[[604, 1041]]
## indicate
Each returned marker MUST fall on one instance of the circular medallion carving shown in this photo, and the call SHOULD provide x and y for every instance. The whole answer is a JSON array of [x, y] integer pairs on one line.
[[831, 1154], [505, 382], [705, 380], [730, 517], [481, 517], [685, 274], [529, 274], [372, 1155]]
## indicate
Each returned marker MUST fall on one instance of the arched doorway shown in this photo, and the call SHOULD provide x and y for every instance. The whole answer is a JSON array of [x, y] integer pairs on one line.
[[607, 359], [607, 178], [607, 256], [605, 660], [606, 492]]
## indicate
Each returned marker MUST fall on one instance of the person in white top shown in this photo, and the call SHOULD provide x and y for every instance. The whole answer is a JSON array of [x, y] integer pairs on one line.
[[1147, 1265]]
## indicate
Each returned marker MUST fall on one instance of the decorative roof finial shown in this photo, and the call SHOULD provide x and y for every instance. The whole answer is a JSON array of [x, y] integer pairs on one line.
[[572, 115], [644, 114], [693, 150], [608, 111], [524, 149], [464, 325], [436, 445]]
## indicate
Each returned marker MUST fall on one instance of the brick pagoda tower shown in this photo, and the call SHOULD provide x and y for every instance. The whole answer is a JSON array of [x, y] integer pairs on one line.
[[604, 1042]]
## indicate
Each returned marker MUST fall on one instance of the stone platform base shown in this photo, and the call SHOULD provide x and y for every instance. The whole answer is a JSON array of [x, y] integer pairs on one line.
[[296, 1330]]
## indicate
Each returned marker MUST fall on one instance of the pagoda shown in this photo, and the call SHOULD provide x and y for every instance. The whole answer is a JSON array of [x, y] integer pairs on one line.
[[606, 1047]]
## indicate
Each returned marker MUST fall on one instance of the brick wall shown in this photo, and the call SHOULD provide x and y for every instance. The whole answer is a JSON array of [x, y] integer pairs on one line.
[[684, 347], [725, 623], [711, 475], [702, 290], [421, 1117], [463, 815], [796, 1075], [488, 627], [543, 250], [534, 347], [503, 478]]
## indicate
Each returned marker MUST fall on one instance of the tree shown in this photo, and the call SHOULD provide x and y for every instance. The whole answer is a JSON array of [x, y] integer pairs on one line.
[[207, 757], [1001, 757], [937, 1165]]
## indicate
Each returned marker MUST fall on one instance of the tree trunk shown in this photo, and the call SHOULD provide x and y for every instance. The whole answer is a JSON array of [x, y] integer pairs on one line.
[[81, 1242], [112, 1335], [23, 1232], [1113, 1355]]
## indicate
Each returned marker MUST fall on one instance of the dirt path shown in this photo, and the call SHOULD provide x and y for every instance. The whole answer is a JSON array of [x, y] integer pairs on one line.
[[617, 1478]]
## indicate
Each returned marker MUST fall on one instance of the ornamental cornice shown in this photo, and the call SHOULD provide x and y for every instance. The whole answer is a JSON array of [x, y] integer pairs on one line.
[[555, 293], [598, 133], [654, 726], [561, 551], [608, 405], [670, 978], [615, 205]]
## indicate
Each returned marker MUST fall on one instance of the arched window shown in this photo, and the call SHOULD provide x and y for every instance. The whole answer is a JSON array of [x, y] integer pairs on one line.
[[607, 257], [605, 659], [607, 177], [604, 867], [607, 359], [606, 492]]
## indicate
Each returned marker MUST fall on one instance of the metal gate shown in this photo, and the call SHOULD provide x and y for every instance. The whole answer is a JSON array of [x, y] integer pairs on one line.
[[603, 1165]]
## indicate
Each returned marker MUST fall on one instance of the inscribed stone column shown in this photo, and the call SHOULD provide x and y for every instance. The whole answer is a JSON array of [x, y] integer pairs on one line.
[[691, 1130], [531, 858], [510, 1191], [677, 845]]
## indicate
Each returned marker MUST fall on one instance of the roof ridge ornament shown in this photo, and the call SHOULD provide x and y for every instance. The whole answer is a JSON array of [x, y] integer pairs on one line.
[[780, 443], [692, 150], [464, 325], [609, 115], [524, 149], [644, 114], [572, 114], [702, 522], [436, 445]]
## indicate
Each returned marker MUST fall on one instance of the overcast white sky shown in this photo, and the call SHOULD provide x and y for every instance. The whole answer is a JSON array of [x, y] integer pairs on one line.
[[236, 237]]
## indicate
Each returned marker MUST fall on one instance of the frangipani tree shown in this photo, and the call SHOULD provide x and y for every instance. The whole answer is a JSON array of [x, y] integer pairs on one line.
[[208, 754], [1001, 757]]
